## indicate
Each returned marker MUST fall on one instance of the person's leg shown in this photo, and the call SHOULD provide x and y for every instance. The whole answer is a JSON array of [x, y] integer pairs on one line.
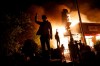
[[48, 48], [57, 44], [48, 44], [42, 44]]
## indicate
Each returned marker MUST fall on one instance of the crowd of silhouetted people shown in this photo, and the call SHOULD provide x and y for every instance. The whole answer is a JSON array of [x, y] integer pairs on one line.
[[80, 55]]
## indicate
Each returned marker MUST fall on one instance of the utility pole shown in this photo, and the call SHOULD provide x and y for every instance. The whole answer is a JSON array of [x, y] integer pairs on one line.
[[80, 23]]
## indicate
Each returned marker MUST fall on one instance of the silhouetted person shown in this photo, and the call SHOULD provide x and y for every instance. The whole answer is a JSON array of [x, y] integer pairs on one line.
[[80, 45], [77, 55], [71, 46], [45, 32], [57, 38], [62, 48], [28, 49], [87, 56]]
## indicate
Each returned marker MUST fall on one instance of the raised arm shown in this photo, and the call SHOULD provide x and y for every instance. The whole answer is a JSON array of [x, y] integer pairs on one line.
[[36, 21]]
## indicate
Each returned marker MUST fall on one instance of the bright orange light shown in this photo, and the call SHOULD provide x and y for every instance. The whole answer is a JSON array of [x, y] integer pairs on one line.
[[63, 39], [56, 24], [74, 18], [89, 40], [98, 37]]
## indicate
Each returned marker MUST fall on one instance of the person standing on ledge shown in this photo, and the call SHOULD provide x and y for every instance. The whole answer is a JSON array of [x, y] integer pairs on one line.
[[45, 32], [57, 38]]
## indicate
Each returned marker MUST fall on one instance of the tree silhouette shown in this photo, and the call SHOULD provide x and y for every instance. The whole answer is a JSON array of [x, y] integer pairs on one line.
[[14, 30]]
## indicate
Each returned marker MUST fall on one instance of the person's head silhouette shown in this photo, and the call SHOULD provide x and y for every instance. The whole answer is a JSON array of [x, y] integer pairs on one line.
[[44, 17]]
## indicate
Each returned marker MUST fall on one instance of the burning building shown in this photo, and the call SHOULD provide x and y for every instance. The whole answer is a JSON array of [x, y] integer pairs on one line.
[[91, 31]]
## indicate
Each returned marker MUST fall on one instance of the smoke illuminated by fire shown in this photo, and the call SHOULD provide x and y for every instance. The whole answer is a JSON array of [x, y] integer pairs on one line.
[[74, 19], [54, 16]]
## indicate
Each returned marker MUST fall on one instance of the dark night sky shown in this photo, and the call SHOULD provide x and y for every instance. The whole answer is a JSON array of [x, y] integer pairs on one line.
[[16, 5]]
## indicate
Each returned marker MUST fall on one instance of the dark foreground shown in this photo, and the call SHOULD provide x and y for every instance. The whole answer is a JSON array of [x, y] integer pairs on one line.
[[22, 61]]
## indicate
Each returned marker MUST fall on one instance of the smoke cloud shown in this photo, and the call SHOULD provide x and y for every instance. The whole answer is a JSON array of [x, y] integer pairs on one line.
[[89, 10]]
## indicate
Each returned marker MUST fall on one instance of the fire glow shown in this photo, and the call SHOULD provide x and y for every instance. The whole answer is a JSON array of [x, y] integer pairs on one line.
[[73, 18], [63, 39]]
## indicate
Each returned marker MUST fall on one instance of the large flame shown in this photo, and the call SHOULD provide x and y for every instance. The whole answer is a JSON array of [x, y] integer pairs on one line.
[[65, 39], [73, 18]]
